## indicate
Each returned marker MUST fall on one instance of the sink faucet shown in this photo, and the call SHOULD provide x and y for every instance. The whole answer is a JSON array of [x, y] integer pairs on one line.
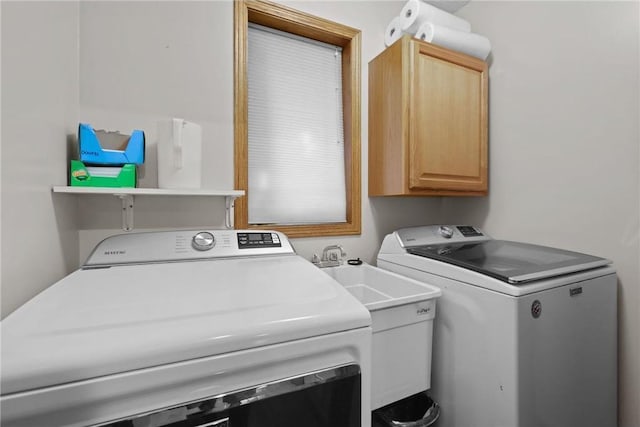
[[330, 257]]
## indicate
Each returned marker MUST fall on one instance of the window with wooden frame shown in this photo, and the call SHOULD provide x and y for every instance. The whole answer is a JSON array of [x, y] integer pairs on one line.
[[258, 24]]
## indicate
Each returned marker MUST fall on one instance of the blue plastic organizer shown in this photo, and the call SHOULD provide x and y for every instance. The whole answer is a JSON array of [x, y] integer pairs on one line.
[[93, 152]]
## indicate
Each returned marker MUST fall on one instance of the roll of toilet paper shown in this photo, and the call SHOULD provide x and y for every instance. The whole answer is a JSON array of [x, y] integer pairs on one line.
[[469, 43], [393, 31], [417, 12]]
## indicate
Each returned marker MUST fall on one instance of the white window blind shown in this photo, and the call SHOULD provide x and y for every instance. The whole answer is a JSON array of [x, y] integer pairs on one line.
[[295, 130]]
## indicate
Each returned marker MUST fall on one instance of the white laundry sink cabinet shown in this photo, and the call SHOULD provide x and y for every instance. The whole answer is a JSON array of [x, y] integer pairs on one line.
[[402, 312]]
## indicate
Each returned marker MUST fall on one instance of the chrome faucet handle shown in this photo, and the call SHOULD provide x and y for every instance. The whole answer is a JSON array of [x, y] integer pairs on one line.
[[329, 254]]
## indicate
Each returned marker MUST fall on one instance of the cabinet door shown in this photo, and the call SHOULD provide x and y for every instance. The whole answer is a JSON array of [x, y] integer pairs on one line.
[[448, 122]]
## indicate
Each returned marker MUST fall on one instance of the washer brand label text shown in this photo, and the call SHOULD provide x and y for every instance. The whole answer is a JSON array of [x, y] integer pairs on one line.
[[115, 252], [575, 291], [423, 310]]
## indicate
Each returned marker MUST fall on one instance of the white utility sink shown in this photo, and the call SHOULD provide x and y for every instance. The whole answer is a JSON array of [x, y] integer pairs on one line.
[[378, 289], [402, 312]]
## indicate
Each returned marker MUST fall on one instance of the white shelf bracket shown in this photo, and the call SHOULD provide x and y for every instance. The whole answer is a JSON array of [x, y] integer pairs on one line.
[[127, 211], [126, 196], [230, 203]]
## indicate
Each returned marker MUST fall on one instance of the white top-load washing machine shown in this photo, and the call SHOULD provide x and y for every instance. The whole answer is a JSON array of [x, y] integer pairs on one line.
[[183, 328], [525, 335]]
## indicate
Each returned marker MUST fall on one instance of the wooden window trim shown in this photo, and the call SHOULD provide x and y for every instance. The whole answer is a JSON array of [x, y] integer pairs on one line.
[[292, 21]]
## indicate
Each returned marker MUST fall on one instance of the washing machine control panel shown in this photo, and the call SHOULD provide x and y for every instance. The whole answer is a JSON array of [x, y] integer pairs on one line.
[[439, 234], [468, 231], [185, 245], [258, 240]]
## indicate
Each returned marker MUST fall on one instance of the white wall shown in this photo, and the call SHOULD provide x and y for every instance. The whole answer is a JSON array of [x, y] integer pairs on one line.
[[164, 59], [39, 113], [130, 64], [564, 143]]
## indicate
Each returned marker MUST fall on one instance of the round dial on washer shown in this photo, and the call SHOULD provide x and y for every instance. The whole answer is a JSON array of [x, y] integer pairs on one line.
[[446, 232], [203, 241]]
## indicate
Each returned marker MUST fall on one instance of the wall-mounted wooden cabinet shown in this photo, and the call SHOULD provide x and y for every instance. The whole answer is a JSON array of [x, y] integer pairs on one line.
[[427, 122]]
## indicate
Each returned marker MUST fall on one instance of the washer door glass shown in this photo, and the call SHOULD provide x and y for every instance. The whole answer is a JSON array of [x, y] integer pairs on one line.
[[512, 262], [329, 398]]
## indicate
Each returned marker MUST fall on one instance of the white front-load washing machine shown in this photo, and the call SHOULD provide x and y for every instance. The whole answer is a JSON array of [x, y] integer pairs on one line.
[[525, 335], [183, 328]]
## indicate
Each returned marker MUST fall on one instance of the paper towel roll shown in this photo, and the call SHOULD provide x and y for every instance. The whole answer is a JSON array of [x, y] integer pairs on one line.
[[393, 31], [469, 43], [417, 12]]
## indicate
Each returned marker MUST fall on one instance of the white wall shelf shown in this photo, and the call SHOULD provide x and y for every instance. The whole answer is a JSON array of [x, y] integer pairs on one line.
[[126, 195]]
